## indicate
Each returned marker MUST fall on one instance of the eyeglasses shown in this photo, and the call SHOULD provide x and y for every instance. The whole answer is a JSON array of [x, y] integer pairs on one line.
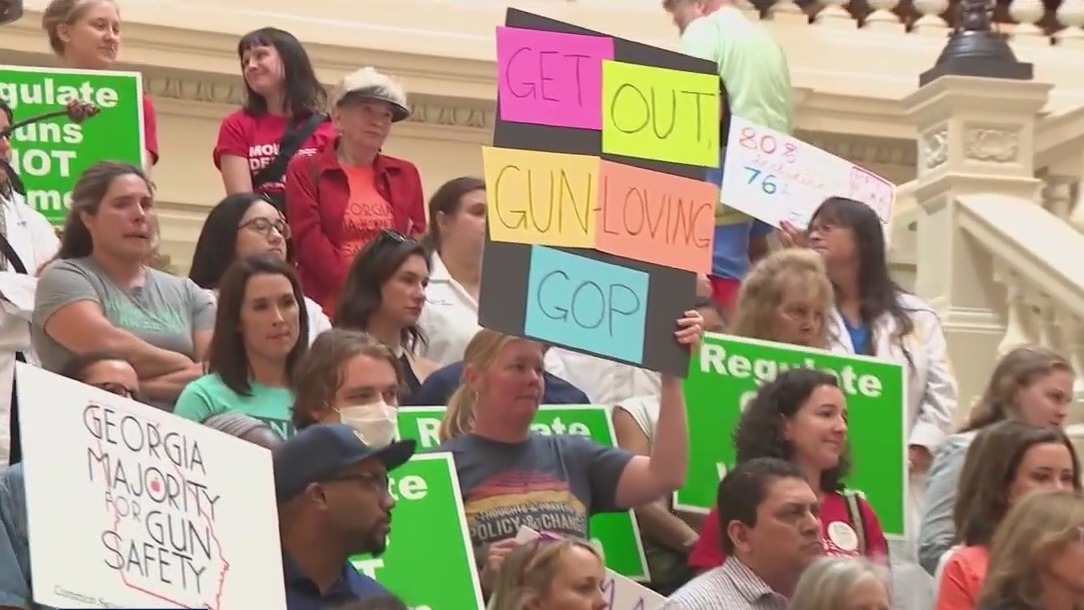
[[379, 482], [263, 226], [116, 388]]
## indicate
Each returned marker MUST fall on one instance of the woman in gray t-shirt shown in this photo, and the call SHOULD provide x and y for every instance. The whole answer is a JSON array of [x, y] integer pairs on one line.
[[99, 294]]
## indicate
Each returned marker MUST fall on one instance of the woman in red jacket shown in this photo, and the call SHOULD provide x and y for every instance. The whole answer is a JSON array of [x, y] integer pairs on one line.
[[347, 193]]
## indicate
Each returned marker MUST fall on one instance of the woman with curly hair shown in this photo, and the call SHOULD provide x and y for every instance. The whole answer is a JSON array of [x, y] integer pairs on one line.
[[801, 416]]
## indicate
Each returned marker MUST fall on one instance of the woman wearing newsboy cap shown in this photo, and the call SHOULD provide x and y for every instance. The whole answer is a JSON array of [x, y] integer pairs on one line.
[[347, 193]]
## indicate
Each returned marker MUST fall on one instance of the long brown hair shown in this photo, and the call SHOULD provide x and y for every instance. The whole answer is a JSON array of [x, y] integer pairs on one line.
[[1015, 371], [992, 462], [228, 356], [1036, 528]]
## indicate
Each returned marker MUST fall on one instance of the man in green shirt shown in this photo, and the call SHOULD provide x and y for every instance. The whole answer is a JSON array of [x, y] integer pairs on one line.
[[756, 86]]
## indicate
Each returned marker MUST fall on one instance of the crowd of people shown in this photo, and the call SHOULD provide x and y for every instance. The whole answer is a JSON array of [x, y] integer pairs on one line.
[[324, 293]]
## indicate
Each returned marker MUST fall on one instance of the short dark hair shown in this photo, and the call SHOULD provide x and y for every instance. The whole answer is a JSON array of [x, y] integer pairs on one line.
[[216, 247], [759, 434], [744, 488], [304, 93], [992, 462], [372, 268], [76, 368], [228, 357]]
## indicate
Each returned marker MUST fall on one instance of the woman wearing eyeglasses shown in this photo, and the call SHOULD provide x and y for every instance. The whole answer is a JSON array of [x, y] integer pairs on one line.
[[384, 296], [342, 197], [261, 332], [253, 226]]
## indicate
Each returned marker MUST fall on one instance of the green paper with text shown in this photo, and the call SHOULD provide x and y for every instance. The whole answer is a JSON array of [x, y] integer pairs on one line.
[[616, 533], [50, 155], [725, 374], [428, 529]]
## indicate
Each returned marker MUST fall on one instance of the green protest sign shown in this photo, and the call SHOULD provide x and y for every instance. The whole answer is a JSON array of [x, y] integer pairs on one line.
[[428, 529], [616, 533], [51, 155], [724, 376]]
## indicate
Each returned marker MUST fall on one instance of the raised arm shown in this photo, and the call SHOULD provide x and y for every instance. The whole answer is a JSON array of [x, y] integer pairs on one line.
[[646, 479], [656, 523]]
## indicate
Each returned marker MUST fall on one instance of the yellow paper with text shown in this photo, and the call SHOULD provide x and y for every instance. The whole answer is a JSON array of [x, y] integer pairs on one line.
[[541, 198], [660, 114]]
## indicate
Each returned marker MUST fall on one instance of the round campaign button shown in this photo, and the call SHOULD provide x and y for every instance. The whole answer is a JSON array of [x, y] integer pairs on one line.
[[843, 536]]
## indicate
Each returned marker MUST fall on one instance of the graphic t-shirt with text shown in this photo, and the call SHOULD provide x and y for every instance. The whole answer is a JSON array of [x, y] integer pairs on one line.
[[209, 395], [165, 311], [256, 138], [367, 212], [547, 483]]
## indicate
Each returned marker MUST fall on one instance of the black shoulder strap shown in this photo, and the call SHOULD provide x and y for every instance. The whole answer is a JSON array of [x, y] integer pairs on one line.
[[290, 143], [9, 252]]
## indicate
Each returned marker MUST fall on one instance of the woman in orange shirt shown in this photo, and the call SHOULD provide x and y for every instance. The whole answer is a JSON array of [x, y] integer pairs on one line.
[[1006, 461]]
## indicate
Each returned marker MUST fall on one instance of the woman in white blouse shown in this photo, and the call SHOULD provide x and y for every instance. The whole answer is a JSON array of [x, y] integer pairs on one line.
[[457, 233]]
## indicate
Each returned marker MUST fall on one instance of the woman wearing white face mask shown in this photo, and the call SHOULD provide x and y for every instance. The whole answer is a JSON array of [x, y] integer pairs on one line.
[[349, 377], [260, 334]]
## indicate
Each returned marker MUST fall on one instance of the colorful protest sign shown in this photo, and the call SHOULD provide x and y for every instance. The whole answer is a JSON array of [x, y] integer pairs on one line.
[[49, 156], [619, 592], [656, 217], [170, 513], [617, 533], [551, 78], [597, 187], [776, 177], [653, 112], [725, 375], [428, 529], [541, 198]]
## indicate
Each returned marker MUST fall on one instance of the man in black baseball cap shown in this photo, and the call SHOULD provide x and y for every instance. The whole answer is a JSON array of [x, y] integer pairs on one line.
[[334, 502]]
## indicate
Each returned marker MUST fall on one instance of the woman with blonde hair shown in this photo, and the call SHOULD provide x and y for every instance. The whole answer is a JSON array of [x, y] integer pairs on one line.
[[1031, 383], [551, 573], [841, 583], [785, 298], [510, 476], [1037, 556], [85, 35]]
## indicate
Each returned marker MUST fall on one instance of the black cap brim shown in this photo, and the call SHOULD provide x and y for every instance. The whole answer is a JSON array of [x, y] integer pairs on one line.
[[395, 454]]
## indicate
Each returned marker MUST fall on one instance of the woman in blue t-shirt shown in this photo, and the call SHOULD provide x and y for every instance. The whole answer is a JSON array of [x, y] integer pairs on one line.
[[261, 332]]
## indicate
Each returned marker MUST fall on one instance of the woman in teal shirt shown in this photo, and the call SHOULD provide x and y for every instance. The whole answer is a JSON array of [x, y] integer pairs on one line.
[[261, 332]]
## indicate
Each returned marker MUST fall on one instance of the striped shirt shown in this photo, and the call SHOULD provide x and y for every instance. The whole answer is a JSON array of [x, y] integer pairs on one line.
[[731, 586]]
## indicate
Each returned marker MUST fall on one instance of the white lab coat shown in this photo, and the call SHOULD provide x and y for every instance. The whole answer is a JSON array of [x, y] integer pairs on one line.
[[35, 241], [930, 401]]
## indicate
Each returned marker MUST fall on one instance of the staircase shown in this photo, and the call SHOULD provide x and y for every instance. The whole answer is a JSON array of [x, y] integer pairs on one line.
[[990, 231]]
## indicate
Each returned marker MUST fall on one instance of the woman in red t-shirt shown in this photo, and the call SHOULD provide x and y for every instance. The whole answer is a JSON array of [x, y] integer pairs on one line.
[[802, 417], [85, 35], [282, 116]]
